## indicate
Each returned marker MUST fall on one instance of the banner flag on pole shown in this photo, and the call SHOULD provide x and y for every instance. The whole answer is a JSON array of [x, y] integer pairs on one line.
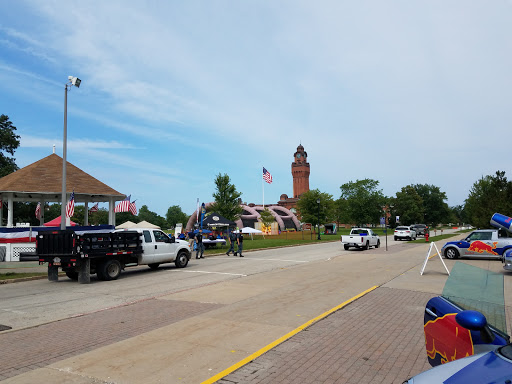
[[70, 206], [133, 208], [94, 208], [267, 176], [123, 206], [203, 211]]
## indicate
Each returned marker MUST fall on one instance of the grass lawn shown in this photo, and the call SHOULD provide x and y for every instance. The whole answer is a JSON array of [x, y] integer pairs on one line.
[[14, 275]]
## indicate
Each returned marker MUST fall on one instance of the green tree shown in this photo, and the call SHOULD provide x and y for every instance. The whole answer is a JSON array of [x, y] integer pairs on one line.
[[9, 142], [100, 217], [458, 214], [151, 217], [175, 215], [311, 211], [487, 196], [226, 198], [363, 201], [340, 211], [266, 217], [409, 206], [434, 205]]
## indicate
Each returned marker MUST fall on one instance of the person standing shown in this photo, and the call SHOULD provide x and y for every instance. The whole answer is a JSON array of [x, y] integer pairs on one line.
[[199, 244], [240, 242], [232, 241]]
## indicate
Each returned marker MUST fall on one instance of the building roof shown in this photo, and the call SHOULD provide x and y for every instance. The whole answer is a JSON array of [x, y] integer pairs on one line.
[[43, 180]]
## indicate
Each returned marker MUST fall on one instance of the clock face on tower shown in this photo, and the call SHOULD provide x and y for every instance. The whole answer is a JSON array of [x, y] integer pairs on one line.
[[298, 155]]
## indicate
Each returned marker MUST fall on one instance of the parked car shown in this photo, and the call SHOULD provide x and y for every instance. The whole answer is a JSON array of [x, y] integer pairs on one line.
[[421, 229], [405, 232], [461, 344], [492, 243]]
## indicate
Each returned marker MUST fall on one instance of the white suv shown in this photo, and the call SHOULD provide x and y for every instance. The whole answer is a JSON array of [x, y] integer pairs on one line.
[[404, 232]]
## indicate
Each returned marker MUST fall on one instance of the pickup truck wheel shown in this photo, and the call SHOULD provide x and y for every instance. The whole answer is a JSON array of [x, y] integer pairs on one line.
[[154, 266], [73, 275], [378, 244], [181, 260], [451, 253], [346, 247], [367, 245], [110, 270]]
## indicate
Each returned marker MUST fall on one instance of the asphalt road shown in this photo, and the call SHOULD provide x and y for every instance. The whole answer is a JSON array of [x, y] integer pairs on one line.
[[240, 304]]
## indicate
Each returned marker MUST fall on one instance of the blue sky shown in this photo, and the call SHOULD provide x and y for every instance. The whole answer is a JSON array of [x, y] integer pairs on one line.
[[174, 93]]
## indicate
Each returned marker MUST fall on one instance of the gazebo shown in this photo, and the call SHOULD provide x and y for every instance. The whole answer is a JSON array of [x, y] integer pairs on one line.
[[42, 182]]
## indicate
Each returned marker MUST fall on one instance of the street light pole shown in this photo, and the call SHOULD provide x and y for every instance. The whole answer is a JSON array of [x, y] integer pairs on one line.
[[76, 82], [318, 202]]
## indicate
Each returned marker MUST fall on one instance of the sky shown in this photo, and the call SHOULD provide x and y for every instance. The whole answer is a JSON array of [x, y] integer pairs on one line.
[[174, 93]]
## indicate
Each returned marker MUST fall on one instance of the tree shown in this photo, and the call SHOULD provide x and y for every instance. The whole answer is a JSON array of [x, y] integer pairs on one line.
[[363, 202], [487, 196], [9, 142], [458, 214], [312, 212], [151, 217], [408, 205], [175, 215], [99, 217], [226, 199], [266, 217], [434, 205]]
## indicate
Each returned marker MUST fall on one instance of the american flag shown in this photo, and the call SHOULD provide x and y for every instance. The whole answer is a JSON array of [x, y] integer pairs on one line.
[[70, 207], [94, 208], [133, 208], [123, 206], [267, 176], [38, 211]]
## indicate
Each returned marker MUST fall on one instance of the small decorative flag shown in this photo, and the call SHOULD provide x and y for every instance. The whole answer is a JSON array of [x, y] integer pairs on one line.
[[267, 176], [38, 211], [70, 207], [123, 206], [133, 208], [94, 208]]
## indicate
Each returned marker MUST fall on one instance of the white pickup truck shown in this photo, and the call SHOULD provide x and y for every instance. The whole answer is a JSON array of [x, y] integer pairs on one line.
[[360, 238], [107, 253]]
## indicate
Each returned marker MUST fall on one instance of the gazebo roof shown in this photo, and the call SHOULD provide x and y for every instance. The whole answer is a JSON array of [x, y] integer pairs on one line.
[[43, 180]]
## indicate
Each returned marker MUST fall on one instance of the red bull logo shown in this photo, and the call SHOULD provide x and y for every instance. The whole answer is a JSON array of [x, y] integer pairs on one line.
[[447, 339], [480, 247]]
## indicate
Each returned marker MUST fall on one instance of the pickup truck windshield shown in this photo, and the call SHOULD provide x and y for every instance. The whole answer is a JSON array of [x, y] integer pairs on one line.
[[359, 232]]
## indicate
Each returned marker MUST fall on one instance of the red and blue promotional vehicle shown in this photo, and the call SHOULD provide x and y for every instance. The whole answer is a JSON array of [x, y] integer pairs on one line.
[[465, 331]]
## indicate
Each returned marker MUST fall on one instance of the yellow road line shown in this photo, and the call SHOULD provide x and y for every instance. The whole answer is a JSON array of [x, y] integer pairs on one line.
[[250, 358]]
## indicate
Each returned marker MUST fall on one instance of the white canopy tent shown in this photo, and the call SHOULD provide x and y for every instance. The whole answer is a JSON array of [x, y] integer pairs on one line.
[[145, 224], [249, 230], [126, 224]]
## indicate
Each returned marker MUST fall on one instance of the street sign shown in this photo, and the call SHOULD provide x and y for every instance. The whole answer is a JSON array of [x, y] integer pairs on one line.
[[306, 227]]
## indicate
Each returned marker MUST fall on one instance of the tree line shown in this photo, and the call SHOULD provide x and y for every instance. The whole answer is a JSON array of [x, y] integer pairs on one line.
[[360, 202]]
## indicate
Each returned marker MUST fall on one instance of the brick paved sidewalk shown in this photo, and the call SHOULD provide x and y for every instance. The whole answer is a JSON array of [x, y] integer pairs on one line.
[[36, 347], [376, 339]]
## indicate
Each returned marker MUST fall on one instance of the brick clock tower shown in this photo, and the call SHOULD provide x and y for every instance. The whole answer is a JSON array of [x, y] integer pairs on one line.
[[300, 172]]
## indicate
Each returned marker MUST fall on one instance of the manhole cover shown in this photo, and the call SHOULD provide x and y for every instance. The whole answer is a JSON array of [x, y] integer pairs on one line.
[[4, 327]]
